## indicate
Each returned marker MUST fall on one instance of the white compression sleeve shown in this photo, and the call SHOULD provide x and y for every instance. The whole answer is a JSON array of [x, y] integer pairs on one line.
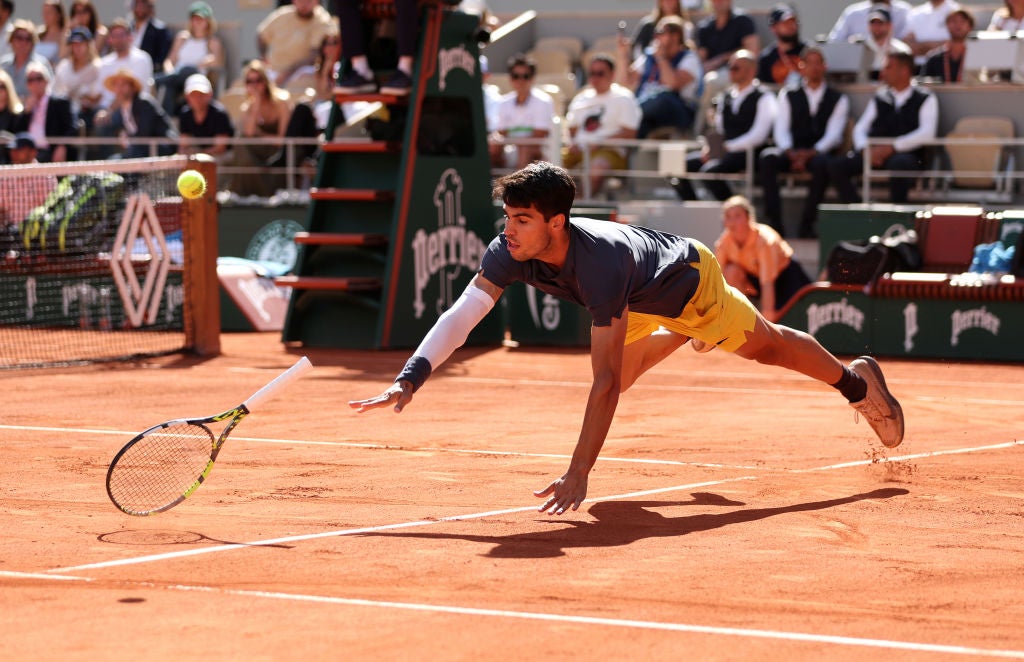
[[453, 327]]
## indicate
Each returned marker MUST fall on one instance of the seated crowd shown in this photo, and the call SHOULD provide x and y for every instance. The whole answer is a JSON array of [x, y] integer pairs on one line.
[[149, 90], [714, 81], [137, 83]]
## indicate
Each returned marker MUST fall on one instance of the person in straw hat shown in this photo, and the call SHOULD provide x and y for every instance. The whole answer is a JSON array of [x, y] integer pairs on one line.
[[133, 115]]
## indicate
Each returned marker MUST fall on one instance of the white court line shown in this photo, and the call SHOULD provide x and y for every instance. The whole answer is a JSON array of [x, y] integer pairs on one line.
[[889, 644], [459, 518], [36, 575], [371, 529]]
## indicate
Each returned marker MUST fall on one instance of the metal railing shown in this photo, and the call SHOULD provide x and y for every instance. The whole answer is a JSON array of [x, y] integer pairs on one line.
[[293, 169]]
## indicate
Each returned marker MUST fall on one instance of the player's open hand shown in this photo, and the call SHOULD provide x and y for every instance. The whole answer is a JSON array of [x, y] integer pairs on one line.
[[399, 394], [567, 492]]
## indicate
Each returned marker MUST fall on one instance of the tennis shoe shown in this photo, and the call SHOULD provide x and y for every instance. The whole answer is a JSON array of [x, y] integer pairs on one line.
[[398, 84], [355, 83], [879, 407]]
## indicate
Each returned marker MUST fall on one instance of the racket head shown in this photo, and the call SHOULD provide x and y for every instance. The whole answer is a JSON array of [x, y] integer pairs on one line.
[[163, 465]]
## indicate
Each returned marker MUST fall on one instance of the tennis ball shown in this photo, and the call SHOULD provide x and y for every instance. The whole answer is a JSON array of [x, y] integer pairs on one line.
[[191, 184]]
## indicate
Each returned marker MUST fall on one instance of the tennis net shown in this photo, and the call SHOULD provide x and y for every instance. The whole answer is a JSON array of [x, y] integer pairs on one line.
[[104, 261]]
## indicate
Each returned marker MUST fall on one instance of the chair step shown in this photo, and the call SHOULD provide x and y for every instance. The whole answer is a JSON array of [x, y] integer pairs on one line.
[[351, 194], [340, 239], [371, 97], [331, 283], [363, 147]]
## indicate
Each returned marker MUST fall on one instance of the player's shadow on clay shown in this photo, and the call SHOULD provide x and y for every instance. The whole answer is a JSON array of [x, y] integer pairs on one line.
[[625, 522]]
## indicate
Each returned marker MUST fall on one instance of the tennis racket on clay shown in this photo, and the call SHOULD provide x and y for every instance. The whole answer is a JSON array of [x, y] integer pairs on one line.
[[162, 466]]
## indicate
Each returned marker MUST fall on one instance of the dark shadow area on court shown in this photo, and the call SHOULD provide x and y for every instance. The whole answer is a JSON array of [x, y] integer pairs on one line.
[[622, 523]]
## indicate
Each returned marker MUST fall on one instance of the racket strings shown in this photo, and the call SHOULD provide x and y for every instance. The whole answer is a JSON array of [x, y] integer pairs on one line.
[[159, 468]]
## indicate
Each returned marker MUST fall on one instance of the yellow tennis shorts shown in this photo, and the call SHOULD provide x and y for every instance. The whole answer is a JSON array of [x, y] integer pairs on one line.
[[718, 313]]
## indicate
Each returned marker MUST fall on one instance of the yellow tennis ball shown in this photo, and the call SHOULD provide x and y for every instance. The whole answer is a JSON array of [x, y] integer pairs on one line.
[[191, 184]]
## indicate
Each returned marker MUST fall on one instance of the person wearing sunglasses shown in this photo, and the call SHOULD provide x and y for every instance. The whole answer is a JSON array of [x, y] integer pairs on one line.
[[22, 42], [47, 118], [525, 112], [600, 111]]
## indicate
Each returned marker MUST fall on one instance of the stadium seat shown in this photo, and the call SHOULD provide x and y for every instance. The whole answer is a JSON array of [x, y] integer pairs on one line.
[[980, 157], [566, 84], [947, 236], [571, 46], [551, 62]]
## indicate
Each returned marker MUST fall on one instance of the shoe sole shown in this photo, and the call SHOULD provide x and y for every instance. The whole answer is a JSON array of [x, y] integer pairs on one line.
[[395, 91], [894, 405]]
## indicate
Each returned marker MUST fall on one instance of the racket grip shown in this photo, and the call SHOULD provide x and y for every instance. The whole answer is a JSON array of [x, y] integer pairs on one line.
[[301, 367]]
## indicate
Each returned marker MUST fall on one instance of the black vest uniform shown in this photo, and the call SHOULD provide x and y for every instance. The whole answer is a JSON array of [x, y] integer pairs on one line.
[[808, 129], [740, 122], [891, 122]]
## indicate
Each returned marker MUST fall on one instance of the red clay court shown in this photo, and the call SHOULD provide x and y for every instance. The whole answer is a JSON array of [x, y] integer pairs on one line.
[[737, 512]]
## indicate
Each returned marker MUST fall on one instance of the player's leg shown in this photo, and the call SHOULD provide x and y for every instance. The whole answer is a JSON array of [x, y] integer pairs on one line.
[[642, 354], [861, 382]]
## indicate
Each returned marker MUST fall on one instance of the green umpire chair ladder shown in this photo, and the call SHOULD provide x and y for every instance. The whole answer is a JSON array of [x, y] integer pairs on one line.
[[399, 220]]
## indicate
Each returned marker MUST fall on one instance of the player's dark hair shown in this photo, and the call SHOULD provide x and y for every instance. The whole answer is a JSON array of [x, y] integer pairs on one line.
[[541, 185]]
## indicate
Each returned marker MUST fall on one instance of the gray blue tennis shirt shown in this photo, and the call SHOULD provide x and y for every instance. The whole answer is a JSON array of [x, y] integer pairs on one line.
[[609, 265]]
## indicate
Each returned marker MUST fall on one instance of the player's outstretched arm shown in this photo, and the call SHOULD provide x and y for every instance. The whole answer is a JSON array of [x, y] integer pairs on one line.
[[448, 334], [607, 344]]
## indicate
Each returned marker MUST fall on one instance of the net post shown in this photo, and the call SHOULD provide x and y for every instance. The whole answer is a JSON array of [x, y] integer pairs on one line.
[[199, 221]]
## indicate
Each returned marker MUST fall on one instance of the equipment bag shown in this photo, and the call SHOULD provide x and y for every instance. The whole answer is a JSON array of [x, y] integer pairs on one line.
[[79, 216], [863, 262]]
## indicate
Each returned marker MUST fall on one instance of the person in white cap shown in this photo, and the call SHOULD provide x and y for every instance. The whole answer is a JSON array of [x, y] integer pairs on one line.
[[203, 122]]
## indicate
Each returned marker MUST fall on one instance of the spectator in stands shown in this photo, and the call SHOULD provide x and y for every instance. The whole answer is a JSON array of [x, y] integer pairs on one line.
[[312, 108], [47, 118], [723, 33], [643, 35], [287, 39], [265, 114], [123, 55], [78, 75], [10, 104], [6, 25], [946, 63], [600, 111], [852, 24], [666, 79], [149, 33], [20, 195], [719, 36], [1009, 17], [323, 73], [51, 32], [134, 114], [203, 123], [525, 112], [779, 64], [83, 15], [901, 111], [756, 260], [926, 26], [880, 39], [359, 77], [744, 118], [23, 41], [492, 97], [197, 50], [809, 127]]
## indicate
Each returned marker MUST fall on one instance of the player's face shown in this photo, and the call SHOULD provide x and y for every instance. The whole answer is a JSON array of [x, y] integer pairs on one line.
[[528, 235]]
